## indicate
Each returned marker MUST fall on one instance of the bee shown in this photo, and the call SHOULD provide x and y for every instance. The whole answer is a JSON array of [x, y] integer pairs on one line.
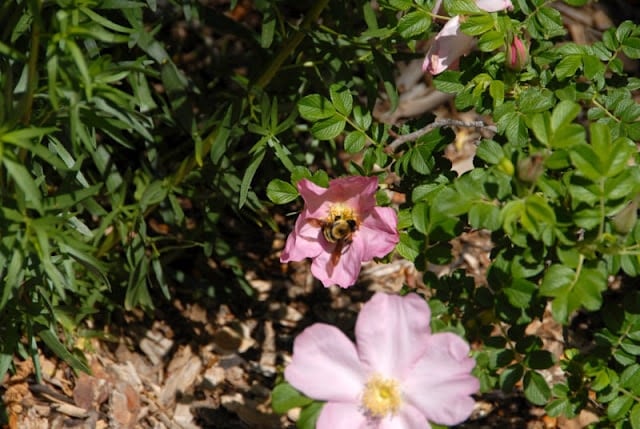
[[338, 229]]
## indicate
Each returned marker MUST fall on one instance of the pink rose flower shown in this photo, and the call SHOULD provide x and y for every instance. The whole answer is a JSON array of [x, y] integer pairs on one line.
[[451, 43], [494, 5], [339, 228], [447, 48], [397, 376]]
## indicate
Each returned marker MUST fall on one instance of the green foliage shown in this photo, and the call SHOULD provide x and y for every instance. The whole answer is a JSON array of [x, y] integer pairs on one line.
[[109, 149], [100, 155], [557, 186]]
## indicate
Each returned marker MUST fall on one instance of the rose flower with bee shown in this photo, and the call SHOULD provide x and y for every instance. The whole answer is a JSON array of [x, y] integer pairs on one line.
[[339, 228]]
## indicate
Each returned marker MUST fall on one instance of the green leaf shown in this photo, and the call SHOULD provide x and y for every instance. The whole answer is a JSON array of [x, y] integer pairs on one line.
[[540, 124], [408, 247], [593, 68], [563, 114], [281, 192], [496, 90], [341, 98], [536, 389], [370, 17], [284, 397], [619, 407], [567, 136], [617, 158], [309, 416], [362, 119], [476, 25], [630, 377], [490, 41], [540, 359], [490, 151], [268, 29], [137, 293], [154, 193], [51, 340], [550, 21], [221, 137], [401, 4], [315, 107], [631, 47], [556, 279], [449, 82], [68, 199], [573, 290], [568, 66], [23, 135], [588, 292], [514, 127], [99, 19], [601, 142], [461, 7], [414, 24], [421, 159], [485, 215], [537, 208], [250, 171], [392, 92], [5, 360], [586, 161], [420, 217], [78, 57], [355, 141], [534, 100], [510, 376], [520, 292], [25, 182], [634, 417], [328, 129]]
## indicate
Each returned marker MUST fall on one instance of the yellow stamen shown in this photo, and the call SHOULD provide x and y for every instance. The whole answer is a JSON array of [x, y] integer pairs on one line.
[[340, 211], [381, 396]]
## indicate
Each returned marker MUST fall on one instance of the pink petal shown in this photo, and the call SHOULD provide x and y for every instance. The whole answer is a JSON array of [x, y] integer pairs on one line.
[[448, 46], [303, 242], [378, 224], [440, 384], [366, 197], [335, 415], [378, 233], [392, 333], [345, 273], [494, 5], [407, 417], [325, 365], [357, 192]]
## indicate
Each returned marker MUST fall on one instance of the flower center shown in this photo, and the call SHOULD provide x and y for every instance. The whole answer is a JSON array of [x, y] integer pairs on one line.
[[340, 211], [381, 396], [340, 224]]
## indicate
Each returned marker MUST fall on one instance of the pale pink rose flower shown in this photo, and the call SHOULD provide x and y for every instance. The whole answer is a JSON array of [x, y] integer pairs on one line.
[[494, 5], [451, 43], [398, 375], [374, 229], [447, 47]]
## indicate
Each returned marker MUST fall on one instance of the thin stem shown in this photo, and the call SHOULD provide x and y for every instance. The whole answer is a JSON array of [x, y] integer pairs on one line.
[[439, 123], [32, 74], [606, 111]]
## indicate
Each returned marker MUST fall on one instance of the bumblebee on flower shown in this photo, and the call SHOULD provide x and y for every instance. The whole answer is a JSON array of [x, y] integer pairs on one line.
[[339, 228]]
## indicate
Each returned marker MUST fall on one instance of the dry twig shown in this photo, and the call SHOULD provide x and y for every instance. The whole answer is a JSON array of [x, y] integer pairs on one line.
[[438, 123]]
